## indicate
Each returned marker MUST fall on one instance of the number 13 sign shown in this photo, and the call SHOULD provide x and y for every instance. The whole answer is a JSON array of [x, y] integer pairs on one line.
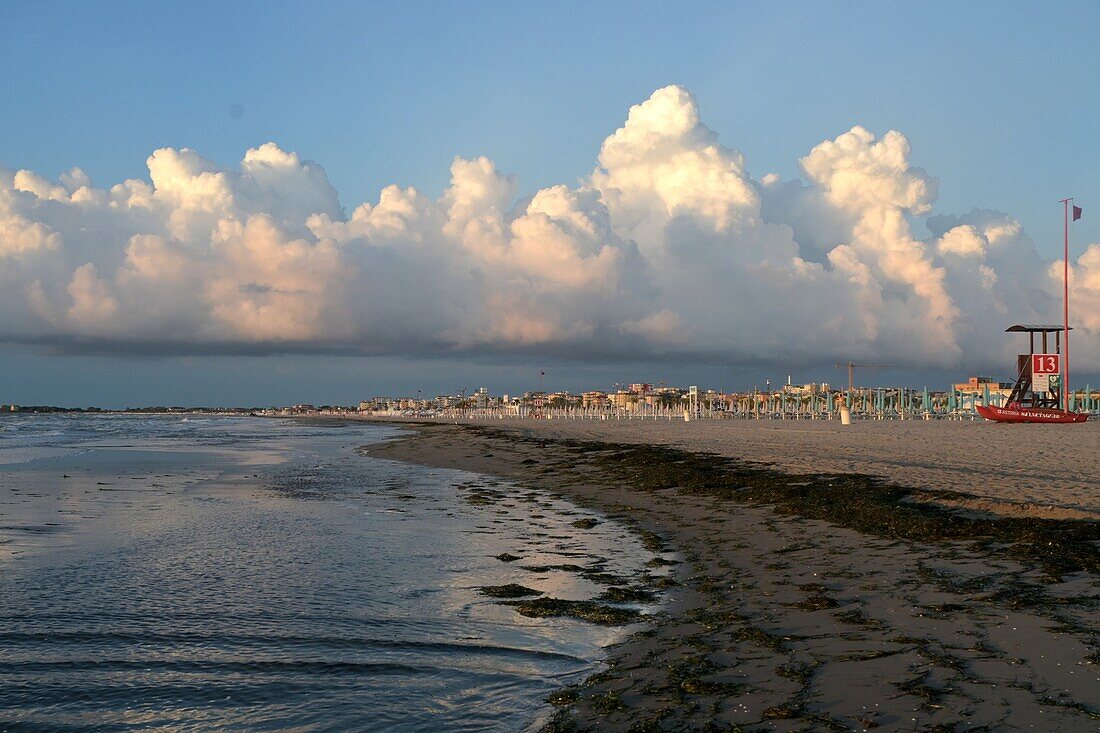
[[1046, 364], [1045, 369]]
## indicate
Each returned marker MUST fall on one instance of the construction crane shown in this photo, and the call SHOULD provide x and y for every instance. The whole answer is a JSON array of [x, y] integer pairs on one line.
[[852, 371]]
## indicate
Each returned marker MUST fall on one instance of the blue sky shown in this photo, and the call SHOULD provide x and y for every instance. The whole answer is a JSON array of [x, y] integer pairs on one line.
[[997, 99]]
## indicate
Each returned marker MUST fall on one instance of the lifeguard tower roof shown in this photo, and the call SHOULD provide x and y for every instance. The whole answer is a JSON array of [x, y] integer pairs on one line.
[[1035, 329]]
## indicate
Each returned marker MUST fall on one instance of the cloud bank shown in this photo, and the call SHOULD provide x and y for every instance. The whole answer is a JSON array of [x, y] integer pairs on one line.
[[668, 249]]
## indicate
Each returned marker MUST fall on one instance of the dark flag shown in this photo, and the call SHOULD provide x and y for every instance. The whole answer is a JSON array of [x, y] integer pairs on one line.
[[542, 373], [1076, 213]]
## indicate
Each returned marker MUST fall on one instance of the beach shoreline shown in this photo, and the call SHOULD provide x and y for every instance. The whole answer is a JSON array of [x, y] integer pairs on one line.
[[794, 612], [1044, 471]]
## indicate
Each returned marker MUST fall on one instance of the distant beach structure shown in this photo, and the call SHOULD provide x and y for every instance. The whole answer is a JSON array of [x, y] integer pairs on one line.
[[963, 401]]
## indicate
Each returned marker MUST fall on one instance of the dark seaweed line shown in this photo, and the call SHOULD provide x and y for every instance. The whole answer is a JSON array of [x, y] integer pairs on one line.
[[856, 501]]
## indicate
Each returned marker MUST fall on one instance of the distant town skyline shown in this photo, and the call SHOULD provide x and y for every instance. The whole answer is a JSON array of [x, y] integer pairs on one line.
[[261, 204], [348, 380]]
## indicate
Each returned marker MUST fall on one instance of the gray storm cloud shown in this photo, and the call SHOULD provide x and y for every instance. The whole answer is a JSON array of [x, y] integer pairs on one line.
[[668, 249]]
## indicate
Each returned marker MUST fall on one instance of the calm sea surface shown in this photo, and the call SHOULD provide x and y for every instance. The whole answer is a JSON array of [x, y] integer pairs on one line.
[[165, 573]]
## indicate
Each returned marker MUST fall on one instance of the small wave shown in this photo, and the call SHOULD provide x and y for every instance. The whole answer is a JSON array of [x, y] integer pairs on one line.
[[46, 639], [32, 528], [292, 666]]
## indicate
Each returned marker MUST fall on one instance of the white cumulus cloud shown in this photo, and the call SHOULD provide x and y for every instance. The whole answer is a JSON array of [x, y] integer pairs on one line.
[[669, 248]]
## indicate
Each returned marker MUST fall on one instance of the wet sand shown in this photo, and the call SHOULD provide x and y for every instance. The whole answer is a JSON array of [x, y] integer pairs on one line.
[[800, 610]]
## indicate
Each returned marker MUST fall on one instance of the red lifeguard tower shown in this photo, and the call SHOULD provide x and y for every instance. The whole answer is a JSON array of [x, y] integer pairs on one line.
[[1024, 392], [1037, 394]]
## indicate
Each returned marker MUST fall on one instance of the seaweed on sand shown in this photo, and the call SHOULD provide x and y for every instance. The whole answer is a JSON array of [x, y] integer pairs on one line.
[[482, 496], [606, 702], [918, 687], [563, 567], [597, 613], [815, 602], [857, 501], [564, 696], [857, 617], [798, 671], [652, 541], [617, 594], [602, 578], [510, 590], [689, 675], [766, 639]]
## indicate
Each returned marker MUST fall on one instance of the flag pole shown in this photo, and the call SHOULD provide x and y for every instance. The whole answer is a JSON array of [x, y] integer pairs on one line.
[[1065, 303]]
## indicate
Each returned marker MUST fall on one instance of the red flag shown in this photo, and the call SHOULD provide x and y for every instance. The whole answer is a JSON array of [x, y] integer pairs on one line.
[[1076, 213]]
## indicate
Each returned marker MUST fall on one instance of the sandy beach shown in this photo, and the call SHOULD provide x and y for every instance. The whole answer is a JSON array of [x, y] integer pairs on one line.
[[1012, 470], [810, 598]]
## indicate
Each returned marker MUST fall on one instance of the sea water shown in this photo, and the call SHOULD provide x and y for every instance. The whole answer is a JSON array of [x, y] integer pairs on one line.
[[220, 573]]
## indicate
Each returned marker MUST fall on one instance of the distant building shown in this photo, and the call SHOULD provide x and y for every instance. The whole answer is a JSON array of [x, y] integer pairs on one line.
[[670, 397], [624, 400], [563, 399], [594, 399], [806, 389], [978, 385]]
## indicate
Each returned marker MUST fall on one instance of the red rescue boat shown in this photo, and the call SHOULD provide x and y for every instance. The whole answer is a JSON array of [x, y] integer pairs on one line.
[[1019, 413]]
